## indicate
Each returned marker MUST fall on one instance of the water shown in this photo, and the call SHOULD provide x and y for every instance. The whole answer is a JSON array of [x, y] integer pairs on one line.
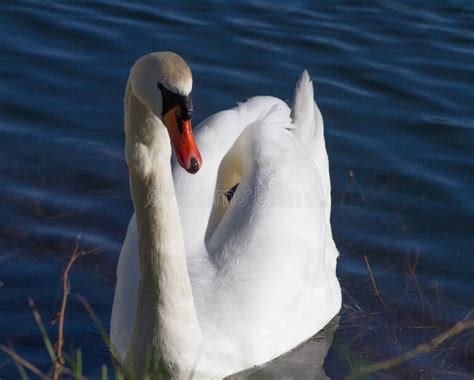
[[394, 81]]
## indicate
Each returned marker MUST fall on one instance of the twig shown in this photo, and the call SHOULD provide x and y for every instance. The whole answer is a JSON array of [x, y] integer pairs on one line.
[[55, 352], [351, 176], [412, 272], [352, 299], [377, 296], [59, 362], [376, 290], [422, 348]]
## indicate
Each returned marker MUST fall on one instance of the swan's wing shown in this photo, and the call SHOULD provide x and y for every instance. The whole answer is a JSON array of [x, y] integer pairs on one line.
[[271, 244], [214, 137], [279, 195], [123, 309]]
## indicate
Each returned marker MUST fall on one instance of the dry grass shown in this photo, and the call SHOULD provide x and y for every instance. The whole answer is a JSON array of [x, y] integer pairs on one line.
[[59, 367], [59, 361], [369, 337], [429, 346], [357, 319]]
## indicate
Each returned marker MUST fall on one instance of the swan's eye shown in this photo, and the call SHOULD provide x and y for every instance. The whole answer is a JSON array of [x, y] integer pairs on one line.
[[187, 107], [171, 100]]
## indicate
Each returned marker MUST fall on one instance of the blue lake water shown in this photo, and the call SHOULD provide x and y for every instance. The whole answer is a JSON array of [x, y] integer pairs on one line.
[[395, 83]]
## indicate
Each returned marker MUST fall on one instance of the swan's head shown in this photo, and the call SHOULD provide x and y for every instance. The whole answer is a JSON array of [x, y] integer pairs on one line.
[[163, 83]]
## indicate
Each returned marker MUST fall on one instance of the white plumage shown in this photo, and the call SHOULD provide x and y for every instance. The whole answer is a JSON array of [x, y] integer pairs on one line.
[[262, 267]]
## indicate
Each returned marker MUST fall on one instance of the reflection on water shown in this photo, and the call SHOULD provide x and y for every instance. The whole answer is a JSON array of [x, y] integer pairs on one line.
[[394, 82], [304, 362]]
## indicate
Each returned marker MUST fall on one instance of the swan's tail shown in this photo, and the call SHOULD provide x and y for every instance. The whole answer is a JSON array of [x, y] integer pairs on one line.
[[309, 131], [305, 114]]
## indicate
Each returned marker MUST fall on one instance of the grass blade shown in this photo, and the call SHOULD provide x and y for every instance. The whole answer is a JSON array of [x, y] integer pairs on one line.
[[77, 369], [119, 371], [44, 332], [25, 363], [21, 370], [104, 370]]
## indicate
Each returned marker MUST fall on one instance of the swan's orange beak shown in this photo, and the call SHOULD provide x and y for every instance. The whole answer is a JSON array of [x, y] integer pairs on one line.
[[182, 139]]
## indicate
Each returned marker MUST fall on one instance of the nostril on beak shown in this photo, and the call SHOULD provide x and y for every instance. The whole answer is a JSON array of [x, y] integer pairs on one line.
[[194, 165]]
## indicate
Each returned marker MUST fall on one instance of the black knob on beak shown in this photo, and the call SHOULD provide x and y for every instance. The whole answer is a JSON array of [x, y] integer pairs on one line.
[[194, 166]]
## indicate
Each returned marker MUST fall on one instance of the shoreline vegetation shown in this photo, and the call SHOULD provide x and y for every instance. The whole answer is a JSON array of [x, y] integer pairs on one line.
[[65, 366]]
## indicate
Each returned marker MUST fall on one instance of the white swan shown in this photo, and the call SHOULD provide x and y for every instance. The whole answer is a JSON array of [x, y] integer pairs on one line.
[[234, 265]]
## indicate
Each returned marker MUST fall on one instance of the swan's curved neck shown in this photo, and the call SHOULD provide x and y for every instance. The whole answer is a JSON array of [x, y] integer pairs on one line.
[[166, 335]]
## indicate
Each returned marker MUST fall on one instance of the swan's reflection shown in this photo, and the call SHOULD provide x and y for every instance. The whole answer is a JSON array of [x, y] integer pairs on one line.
[[304, 362]]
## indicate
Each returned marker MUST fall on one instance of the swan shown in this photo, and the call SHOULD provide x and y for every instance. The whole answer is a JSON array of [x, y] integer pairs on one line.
[[230, 262]]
